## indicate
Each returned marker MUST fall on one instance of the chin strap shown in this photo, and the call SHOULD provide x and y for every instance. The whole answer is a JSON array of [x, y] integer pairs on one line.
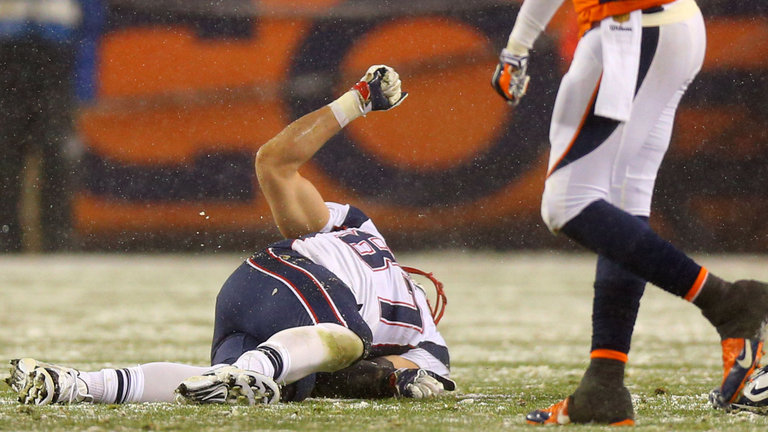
[[440, 301]]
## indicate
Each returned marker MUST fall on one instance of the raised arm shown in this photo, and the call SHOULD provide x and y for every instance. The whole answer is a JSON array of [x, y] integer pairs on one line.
[[297, 206]]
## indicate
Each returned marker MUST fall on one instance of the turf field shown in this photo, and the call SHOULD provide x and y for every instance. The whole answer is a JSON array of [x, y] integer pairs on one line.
[[518, 326]]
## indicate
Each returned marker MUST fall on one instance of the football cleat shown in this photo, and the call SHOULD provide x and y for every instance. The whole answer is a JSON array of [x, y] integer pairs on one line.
[[740, 358], [754, 396], [558, 414], [739, 315], [740, 320], [228, 384], [38, 383], [555, 414], [600, 398]]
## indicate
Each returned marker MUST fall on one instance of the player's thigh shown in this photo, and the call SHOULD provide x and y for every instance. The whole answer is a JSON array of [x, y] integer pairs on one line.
[[678, 57], [575, 97], [635, 179], [268, 294], [581, 153]]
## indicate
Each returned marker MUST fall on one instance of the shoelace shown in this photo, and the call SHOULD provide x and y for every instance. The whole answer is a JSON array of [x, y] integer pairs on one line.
[[71, 392]]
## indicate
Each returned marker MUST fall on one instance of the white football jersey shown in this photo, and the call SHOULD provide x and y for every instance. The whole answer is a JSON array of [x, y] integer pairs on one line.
[[392, 305]]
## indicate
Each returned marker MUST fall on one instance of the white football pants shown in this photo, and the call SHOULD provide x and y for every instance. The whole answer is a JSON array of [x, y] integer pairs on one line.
[[622, 168]]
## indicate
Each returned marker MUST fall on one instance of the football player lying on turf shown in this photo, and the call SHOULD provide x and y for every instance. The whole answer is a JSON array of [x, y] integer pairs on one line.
[[326, 312]]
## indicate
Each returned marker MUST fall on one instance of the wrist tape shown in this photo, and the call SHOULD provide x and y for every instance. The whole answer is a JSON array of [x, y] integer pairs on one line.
[[347, 107]]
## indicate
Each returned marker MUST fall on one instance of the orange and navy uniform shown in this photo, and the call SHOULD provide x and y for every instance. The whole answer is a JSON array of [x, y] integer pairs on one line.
[[589, 12]]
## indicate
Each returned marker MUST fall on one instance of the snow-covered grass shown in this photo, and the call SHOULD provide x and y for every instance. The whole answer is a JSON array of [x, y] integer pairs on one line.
[[518, 326]]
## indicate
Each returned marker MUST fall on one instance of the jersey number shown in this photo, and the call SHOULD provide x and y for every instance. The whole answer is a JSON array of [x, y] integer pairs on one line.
[[371, 249], [401, 314], [374, 252]]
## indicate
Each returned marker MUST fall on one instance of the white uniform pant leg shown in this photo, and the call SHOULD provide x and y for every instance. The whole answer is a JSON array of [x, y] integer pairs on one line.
[[564, 192], [622, 168], [679, 57]]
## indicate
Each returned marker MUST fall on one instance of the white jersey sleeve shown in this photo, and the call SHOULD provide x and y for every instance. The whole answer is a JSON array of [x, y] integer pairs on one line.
[[337, 214], [425, 360], [344, 216], [532, 20]]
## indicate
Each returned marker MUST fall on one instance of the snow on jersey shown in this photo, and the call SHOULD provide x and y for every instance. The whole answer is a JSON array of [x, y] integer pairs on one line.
[[392, 305]]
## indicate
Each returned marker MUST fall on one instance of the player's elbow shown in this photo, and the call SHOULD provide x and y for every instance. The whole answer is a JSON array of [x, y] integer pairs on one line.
[[273, 159], [268, 165], [264, 160]]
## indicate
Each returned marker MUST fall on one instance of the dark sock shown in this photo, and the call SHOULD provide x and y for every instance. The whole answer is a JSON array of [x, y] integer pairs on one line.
[[711, 293], [737, 310], [601, 397], [630, 242], [605, 372], [615, 306]]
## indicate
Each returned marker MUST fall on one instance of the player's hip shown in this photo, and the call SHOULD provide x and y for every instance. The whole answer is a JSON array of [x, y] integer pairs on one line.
[[654, 13], [281, 286]]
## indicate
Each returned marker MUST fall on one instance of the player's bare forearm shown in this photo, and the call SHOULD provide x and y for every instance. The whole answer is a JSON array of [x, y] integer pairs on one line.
[[297, 206], [366, 379], [381, 377]]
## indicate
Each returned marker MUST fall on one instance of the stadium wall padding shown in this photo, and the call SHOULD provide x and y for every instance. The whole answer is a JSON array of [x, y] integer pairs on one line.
[[182, 102]]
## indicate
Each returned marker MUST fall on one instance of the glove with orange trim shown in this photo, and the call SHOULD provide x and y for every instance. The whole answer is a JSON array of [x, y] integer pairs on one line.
[[510, 79]]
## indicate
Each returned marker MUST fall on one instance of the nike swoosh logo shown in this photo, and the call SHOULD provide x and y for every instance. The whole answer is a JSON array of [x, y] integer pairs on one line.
[[757, 390], [745, 360]]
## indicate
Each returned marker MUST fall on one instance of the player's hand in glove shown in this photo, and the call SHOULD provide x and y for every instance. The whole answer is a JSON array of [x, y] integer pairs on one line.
[[378, 90], [511, 77], [419, 383]]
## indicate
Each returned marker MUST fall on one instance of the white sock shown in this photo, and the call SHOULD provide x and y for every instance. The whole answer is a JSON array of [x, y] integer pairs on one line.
[[269, 361], [114, 385], [151, 382]]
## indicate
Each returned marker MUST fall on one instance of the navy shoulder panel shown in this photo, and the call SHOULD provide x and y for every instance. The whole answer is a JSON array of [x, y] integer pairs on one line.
[[355, 218]]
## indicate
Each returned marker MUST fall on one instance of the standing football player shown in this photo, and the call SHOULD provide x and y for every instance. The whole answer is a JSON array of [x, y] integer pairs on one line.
[[610, 128], [326, 312]]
